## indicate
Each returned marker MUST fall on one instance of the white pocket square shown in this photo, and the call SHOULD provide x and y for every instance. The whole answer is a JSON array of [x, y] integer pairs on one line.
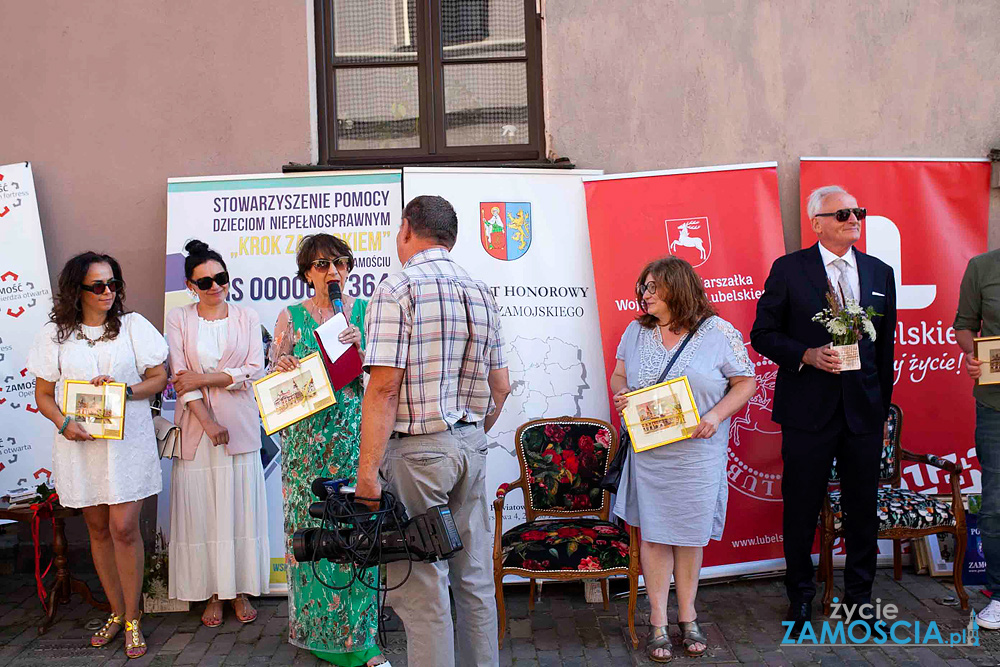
[[877, 294]]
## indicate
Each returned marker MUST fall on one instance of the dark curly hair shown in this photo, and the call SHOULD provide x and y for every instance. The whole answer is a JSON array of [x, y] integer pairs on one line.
[[680, 288], [67, 313], [314, 246]]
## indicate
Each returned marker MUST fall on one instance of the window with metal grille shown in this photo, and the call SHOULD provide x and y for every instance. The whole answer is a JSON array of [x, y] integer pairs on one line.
[[428, 80]]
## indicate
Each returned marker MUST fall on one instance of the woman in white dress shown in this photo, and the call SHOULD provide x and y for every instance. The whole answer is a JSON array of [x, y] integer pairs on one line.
[[90, 337], [218, 505]]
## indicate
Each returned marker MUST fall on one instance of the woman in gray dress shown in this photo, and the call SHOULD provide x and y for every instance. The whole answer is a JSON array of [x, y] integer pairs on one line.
[[677, 493]]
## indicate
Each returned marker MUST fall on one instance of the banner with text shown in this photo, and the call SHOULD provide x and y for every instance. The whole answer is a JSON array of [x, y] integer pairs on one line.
[[25, 302], [256, 222], [725, 221], [524, 233], [920, 209]]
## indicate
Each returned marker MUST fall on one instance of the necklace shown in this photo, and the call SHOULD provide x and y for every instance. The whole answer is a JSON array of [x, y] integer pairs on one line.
[[93, 341], [319, 311]]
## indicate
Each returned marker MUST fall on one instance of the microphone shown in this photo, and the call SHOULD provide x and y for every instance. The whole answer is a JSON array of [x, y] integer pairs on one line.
[[336, 297], [322, 486]]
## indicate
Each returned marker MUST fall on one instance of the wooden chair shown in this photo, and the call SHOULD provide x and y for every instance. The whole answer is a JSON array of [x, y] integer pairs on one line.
[[562, 463], [903, 514]]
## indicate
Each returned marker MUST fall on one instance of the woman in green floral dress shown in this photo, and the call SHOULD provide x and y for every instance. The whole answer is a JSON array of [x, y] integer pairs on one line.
[[339, 626]]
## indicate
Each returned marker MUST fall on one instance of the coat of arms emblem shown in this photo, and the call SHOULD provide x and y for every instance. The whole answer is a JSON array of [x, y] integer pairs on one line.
[[690, 239], [505, 228]]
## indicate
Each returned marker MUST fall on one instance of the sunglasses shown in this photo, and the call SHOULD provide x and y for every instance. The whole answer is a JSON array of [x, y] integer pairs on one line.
[[648, 287], [844, 214], [324, 264], [206, 283], [99, 287]]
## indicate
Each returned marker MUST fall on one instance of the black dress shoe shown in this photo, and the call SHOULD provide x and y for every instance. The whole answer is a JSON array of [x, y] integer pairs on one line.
[[799, 613]]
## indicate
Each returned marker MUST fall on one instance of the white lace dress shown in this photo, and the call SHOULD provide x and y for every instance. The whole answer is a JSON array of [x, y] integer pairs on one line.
[[677, 493], [104, 472]]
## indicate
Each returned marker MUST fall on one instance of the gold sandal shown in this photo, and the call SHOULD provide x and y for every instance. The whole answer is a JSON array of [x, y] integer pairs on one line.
[[137, 648], [658, 640], [104, 636]]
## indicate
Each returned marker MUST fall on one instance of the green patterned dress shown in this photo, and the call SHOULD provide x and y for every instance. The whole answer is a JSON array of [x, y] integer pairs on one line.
[[340, 626]]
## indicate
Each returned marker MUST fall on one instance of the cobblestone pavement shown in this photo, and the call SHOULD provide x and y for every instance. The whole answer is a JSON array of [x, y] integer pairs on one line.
[[742, 620]]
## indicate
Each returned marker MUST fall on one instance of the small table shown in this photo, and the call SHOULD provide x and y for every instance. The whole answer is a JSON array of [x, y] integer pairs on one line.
[[65, 583]]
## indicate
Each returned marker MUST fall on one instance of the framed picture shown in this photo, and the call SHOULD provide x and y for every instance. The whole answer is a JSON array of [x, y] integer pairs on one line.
[[941, 554], [661, 414], [99, 410], [285, 398], [987, 350]]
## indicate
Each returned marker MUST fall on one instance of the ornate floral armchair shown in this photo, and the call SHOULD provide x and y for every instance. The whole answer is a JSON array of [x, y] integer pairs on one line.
[[562, 463], [903, 514]]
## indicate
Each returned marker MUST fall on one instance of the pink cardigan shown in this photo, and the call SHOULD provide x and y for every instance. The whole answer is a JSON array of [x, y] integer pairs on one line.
[[234, 406]]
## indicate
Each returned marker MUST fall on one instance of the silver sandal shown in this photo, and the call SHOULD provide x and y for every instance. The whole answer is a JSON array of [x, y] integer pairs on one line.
[[658, 640], [691, 634]]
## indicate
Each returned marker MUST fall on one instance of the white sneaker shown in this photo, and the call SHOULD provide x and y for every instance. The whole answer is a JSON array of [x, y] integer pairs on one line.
[[989, 617]]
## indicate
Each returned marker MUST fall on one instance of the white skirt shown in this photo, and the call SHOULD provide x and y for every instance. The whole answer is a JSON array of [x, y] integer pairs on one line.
[[218, 526]]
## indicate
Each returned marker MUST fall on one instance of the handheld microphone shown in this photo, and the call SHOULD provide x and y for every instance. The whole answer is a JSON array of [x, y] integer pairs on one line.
[[336, 297]]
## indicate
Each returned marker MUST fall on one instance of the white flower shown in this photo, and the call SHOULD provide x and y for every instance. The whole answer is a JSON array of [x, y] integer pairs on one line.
[[837, 328], [853, 308], [869, 328]]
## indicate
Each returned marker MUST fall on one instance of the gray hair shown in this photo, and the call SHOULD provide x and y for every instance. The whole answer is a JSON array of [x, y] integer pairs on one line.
[[817, 196]]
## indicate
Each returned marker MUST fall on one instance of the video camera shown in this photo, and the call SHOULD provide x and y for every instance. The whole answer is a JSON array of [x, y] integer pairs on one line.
[[353, 533]]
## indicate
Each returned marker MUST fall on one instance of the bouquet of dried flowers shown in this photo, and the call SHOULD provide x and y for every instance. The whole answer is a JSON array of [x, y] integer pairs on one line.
[[154, 580], [846, 323]]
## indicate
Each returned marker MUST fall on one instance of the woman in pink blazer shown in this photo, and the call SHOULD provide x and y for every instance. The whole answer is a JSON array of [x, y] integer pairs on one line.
[[218, 508]]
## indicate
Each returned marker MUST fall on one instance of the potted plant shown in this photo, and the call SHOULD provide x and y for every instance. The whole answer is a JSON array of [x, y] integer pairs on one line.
[[846, 324], [154, 581]]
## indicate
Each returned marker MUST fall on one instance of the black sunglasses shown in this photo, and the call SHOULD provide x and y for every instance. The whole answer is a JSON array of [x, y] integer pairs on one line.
[[206, 282], [99, 287], [844, 214]]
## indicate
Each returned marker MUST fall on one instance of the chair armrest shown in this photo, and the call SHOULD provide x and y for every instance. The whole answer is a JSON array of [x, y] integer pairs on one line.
[[502, 492], [931, 460], [954, 471]]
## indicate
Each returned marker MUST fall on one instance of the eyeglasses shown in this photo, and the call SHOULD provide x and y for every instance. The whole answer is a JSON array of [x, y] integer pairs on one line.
[[99, 287], [205, 283], [648, 287], [844, 214], [341, 263]]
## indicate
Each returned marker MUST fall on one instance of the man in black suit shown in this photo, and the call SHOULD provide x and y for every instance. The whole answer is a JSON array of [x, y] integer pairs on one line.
[[823, 412]]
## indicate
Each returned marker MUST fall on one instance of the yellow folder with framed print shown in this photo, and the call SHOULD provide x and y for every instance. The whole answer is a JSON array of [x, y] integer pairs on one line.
[[100, 410], [661, 414], [289, 397]]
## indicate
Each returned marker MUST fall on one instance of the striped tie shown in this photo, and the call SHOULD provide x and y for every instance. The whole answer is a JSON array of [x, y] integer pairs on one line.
[[844, 287]]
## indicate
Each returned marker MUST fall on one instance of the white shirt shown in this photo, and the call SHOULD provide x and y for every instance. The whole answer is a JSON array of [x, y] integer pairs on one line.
[[833, 273], [213, 336]]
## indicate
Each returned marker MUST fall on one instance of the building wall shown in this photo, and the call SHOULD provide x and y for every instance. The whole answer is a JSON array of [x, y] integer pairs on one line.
[[659, 84], [108, 99]]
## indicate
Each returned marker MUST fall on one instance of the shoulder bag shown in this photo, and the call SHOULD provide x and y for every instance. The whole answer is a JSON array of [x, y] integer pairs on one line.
[[612, 478], [168, 435]]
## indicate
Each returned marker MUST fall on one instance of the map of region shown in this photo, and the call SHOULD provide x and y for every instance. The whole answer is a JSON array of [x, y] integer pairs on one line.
[[548, 379]]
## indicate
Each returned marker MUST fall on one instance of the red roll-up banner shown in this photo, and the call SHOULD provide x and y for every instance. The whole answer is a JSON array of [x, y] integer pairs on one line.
[[726, 221], [926, 219]]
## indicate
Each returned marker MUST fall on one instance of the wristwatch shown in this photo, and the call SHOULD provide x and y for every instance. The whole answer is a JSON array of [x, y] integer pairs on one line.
[[128, 392]]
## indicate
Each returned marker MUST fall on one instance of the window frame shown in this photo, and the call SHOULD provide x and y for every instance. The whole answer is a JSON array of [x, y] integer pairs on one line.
[[430, 77]]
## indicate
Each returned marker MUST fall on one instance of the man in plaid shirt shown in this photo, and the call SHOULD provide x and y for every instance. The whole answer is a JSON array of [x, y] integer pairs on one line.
[[438, 382]]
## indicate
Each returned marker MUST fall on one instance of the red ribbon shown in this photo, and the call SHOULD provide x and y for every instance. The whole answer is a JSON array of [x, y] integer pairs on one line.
[[41, 511]]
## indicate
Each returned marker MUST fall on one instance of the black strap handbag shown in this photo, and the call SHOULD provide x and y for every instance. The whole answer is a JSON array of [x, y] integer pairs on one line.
[[613, 477]]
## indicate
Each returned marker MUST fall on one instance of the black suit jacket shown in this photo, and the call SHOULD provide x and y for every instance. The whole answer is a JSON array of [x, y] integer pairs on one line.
[[806, 398]]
